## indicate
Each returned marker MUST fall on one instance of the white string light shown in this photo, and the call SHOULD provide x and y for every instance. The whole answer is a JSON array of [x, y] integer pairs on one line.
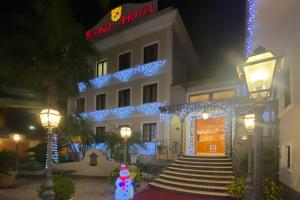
[[147, 70]]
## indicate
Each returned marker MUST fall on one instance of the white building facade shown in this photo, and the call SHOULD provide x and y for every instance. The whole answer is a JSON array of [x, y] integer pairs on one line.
[[139, 59], [274, 25], [146, 61]]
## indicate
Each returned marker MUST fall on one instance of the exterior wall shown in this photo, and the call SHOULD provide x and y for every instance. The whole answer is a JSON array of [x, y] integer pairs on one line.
[[136, 86], [278, 30]]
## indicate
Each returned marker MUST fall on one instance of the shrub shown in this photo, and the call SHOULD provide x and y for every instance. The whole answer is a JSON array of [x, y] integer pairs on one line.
[[38, 153], [237, 188], [63, 187], [7, 161], [271, 190], [30, 165]]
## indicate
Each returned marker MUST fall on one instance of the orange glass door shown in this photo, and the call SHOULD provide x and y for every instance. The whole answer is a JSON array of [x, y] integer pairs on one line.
[[209, 136]]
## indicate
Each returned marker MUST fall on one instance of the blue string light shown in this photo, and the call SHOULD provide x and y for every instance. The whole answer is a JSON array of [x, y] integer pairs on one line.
[[148, 109], [124, 112], [147, 70], [55, 156], [214, 110], [99, 115], [250, 27]]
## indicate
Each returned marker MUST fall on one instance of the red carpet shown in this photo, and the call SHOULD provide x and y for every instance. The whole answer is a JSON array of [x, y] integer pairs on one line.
[[154, 194]]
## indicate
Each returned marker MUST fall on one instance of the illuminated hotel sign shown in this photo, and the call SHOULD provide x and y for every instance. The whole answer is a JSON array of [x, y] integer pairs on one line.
[[120, 16]]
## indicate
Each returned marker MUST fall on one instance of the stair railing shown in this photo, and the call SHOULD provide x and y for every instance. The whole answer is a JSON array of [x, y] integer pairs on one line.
[[166, 149], [236, 162]]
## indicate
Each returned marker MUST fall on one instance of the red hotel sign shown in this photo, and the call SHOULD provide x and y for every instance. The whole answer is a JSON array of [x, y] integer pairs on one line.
[[118, 20]]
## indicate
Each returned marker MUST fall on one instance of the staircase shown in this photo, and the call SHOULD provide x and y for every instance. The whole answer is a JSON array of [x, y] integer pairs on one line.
[[198, 175]]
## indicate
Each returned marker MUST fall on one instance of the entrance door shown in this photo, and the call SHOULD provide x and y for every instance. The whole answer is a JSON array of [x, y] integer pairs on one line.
[[209, 136]]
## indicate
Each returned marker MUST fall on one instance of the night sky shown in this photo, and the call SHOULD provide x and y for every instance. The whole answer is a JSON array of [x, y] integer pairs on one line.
[[216, 27]]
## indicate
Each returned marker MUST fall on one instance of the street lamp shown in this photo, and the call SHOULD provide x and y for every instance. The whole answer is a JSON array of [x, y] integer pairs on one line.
[[249, 122], [259, 72], [50, 119], [125, 134], [17, 138]]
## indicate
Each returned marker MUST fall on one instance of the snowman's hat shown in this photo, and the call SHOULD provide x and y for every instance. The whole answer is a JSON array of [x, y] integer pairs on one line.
[[123, 167]]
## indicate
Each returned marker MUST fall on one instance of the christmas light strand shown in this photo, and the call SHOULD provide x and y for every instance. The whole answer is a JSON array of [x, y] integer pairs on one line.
[[54, 147], [147, 109], [145, 70], [251, 14]]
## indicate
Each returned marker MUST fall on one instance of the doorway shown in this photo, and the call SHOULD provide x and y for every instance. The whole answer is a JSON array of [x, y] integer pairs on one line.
[[210, 136]]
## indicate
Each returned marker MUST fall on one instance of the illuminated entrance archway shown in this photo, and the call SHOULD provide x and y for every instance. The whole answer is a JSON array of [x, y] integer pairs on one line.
[[209, 136]]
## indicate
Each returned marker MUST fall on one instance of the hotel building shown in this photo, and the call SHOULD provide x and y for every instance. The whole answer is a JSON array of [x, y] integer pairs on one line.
[[147, 63]]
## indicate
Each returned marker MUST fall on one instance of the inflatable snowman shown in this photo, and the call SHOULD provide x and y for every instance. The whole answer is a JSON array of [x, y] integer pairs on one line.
[[124, 185]]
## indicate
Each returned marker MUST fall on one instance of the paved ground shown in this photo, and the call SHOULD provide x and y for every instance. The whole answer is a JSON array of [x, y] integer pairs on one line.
[[86, 189], [151, 193]]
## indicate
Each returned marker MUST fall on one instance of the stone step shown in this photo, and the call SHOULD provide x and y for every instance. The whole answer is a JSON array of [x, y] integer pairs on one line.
[[205, 159], [188, 191], [221, 168], [197, 171], [191, 186], [196, 181], [198, 176], [204, 163]]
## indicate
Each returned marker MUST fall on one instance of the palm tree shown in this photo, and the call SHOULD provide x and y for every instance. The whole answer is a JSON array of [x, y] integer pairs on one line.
[[75, 128], [48, 52]]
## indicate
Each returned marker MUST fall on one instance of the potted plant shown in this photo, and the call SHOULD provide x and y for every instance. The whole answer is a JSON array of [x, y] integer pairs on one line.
[[236, 189], [63, 187], [161, 148], [7, 167], [272, 190]]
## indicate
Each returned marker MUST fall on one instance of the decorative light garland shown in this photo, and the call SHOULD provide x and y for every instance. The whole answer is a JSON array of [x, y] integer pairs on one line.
[[214, 110], [251, 14], [55, 155], [147, 70], [148, 109], [182, 111]]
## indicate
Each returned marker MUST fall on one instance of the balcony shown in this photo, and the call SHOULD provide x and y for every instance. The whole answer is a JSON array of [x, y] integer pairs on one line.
[[145, 70], [147, 109]]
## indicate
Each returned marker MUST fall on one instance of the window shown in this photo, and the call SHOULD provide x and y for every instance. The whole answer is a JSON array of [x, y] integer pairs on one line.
[[124, 61], [150, 93], [100, 134], [80, 105], [149, 132], [198, 98], [101, 68], [286, 158], [288, 161], [124, 98], [228, 94], [151, 53], [101, 102], [287, 88]]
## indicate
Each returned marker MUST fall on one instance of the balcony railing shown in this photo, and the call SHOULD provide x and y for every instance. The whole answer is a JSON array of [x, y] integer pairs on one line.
[[145, 70], [147, 109]]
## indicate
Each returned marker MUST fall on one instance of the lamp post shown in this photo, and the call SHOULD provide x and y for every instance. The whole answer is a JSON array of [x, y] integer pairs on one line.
[[17, 138], [125, 134], [249, 122], [259, 72], [50, 119]]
